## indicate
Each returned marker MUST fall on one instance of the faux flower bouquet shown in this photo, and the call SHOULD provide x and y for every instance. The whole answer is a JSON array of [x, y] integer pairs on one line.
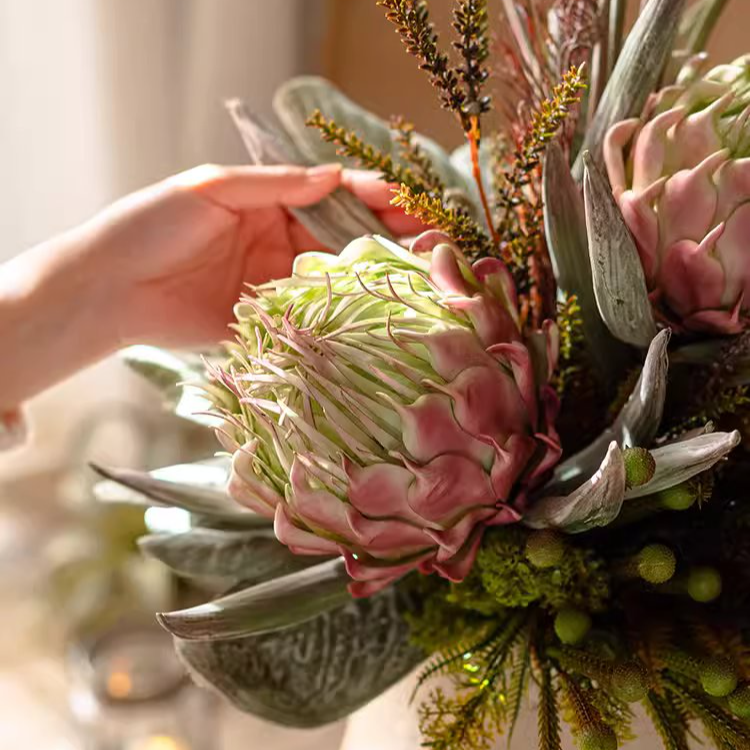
[[515, 448]]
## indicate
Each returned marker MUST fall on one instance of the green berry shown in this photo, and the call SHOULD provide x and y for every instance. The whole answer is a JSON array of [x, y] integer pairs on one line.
[[639, 466], [629, 681], [572, 625], [680, 497], [656, 563], [739, 701], [718, 677], [545, 549], [597, 738], [704, 584]]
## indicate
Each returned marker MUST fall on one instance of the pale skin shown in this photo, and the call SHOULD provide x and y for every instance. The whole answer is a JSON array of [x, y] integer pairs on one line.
[[162, 266]]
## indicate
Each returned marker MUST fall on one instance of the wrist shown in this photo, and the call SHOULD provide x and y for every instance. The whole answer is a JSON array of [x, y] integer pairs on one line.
[[56, 315]]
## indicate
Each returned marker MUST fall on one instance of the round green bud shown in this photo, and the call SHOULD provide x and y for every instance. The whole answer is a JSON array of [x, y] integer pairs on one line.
[[739, 701], [639, 466], [718, 677], [629, 681], [656, 563], [704, 584], [599, 737], [572, 625], [545, 549], [680, 497]]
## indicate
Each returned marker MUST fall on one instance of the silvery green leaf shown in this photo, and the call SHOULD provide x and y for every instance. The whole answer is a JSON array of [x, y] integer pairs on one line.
[[565, 227], [337, 219], [227, 556], [597, 502], [679, 461], [181, 379], [298, 98], [619, 282], [197, 488], [315, 672], [636, 424], [636, 73], [265, 607], [697, 24], [165, 370]]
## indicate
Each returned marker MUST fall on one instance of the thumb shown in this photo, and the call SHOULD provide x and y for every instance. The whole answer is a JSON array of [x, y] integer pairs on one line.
[[245, 187]]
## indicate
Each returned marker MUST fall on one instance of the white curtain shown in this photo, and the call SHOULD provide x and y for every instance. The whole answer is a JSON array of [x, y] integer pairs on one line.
[[100, 97]]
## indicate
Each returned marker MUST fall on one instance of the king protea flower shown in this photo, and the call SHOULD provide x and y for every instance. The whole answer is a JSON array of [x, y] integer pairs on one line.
[[684, 190], [390, 407]]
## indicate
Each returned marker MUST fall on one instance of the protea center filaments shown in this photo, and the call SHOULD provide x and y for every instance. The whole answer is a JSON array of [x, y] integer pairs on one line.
[[389, 407]]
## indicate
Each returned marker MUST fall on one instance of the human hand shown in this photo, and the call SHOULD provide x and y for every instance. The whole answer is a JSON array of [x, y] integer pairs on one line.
[[179, 253], [162, 266]]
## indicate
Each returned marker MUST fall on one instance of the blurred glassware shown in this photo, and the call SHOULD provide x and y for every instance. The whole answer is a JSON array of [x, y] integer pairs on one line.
[[129, 691]]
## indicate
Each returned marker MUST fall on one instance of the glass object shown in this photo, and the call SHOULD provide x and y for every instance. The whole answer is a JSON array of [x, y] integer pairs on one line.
[[129, 691]]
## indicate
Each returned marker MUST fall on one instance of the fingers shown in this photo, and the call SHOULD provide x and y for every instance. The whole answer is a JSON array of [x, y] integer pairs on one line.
[[377, 194], [241, 188], [302, 241], [400, 224], [369, 188]]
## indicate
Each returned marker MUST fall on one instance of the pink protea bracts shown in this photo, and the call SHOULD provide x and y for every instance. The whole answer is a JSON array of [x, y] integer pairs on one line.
[[684, 191], [389, 407]]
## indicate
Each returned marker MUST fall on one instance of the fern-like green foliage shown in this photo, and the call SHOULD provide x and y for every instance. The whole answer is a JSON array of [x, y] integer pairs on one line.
[[516, 684], [466, 233], [415, 156], [521, 220], [727, 732], [352, 145], [464, 719], [548, 717], [669, 723]]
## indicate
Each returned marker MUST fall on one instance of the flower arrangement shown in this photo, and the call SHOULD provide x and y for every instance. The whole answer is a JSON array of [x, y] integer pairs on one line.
[[517, 448]]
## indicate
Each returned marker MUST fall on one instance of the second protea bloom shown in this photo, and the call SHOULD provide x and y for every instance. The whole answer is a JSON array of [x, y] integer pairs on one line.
[[681, 176], [390, 407]]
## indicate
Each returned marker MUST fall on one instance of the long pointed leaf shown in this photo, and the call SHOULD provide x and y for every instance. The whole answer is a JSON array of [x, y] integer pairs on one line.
[[565, 227], [269, 606], [636, 73], [698, 23], [682, 460], [298, 98], [597, 502], [619, 281], [165, 370], [636, 424], [316, 672], [229, 556], [337, 219], [197, 488]]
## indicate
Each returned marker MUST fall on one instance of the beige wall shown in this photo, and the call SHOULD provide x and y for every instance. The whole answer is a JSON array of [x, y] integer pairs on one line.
[[366, 59]]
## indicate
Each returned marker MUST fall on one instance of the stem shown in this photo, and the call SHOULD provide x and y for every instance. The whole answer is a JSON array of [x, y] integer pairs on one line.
[[616, 33], [474, 136]]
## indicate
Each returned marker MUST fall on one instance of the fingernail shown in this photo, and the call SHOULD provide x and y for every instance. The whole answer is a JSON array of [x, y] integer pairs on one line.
[[324, 171]]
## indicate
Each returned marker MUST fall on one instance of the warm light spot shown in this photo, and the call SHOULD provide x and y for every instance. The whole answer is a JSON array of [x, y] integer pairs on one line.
[[157, 742], [119, 684]]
